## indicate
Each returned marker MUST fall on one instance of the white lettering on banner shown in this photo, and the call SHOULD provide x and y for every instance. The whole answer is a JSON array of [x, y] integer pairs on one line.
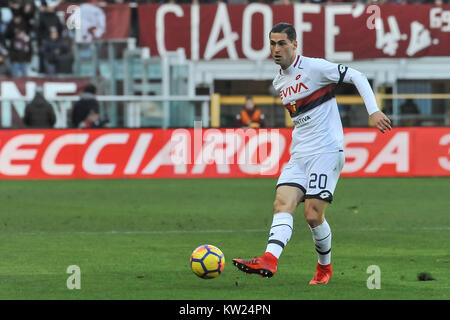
[[440, 19], [444, 161], [12, 151], [11, 91], [247, 30], [49, 165], [138, 153], [164, 158], [236, 152], [395, 152], [90, 164], [270, 164], [51, 90], [388, 41], [195, 31], [331, 31], [161, 26], [360, 155], [213, 151], [221, 23], [222, 37], [419, 38], [299, 24]]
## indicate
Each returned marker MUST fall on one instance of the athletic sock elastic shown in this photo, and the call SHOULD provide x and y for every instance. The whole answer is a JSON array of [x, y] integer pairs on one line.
[[280, 233], [322, 241]]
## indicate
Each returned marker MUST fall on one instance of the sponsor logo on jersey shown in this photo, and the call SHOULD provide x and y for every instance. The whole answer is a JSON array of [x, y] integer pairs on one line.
[[294, 89], [300, 121]]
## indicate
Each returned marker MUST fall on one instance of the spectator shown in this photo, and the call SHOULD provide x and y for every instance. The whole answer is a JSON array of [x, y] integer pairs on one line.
[[17, 22], [48, 20], [250, 116], [5, 68], [86, 108], [409, 107], [20, 52], [92, 121], [39, 112], [28, 13], [56, 54], [16, 7]]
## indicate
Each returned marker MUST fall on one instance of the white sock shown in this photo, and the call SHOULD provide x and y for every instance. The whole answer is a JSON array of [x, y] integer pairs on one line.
[[280, 233], [322, 240]]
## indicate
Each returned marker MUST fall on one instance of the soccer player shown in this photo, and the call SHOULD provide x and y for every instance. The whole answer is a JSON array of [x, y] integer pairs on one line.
[[306, 87]]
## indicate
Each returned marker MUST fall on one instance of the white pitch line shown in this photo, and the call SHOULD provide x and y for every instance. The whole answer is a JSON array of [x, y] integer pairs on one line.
[[151, 232], [137, 232]]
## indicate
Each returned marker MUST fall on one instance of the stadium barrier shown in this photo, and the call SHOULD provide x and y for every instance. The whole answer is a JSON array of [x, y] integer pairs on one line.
[[217, 101], [136, 111], [155, 111], [210, 153]]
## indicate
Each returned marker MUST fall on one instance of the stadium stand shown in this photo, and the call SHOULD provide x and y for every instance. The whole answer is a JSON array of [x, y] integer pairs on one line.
[[162, 91]]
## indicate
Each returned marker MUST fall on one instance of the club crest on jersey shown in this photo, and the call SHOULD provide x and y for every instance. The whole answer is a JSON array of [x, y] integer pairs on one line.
[[291, 107]]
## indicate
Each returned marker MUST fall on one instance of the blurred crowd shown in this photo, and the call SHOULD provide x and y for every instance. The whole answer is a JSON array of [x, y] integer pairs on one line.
[[32, 29]]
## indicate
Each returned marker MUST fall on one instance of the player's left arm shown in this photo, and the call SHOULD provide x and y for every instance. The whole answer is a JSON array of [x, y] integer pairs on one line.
[[339, 73], [359, 80], [376, 117]]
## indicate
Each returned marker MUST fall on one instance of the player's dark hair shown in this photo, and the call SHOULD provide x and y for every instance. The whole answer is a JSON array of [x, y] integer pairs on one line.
[[284, 27]]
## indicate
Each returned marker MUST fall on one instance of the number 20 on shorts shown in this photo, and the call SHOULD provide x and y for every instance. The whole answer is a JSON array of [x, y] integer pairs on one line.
[[317, 181]]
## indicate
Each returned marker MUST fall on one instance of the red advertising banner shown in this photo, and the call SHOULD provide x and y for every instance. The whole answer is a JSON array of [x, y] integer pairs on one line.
[[210, 153], [343, 32]]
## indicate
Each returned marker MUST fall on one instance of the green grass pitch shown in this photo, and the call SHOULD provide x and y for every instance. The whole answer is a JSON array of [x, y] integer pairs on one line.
[[132, 239]]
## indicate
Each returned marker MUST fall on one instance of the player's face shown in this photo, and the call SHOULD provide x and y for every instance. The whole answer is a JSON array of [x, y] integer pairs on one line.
[[282, 49]]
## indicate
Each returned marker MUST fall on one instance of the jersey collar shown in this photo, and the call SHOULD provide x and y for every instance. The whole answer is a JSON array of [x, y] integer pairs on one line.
[[292, 67]]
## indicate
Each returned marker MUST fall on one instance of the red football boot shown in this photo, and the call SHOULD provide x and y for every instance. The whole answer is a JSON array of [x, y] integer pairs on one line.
[[323, 274], [266, 265]]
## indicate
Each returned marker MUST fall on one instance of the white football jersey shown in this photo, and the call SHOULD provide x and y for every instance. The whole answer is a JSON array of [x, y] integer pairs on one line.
[[307, 90]]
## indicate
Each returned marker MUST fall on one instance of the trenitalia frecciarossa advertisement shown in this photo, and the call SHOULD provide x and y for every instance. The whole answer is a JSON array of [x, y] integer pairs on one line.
[[210, 153]]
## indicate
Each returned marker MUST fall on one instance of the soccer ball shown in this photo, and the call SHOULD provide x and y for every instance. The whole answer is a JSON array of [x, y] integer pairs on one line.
[[207, 261]]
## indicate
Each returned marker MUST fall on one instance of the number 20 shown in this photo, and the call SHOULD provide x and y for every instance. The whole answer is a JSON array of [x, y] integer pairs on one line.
[[321, 179]]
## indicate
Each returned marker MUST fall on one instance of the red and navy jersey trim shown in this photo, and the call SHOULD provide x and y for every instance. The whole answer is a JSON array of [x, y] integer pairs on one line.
[[296, 61], [313, 100]]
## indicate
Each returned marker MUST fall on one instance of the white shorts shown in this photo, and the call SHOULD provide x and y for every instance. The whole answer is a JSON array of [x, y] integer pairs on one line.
[[315, 175]]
